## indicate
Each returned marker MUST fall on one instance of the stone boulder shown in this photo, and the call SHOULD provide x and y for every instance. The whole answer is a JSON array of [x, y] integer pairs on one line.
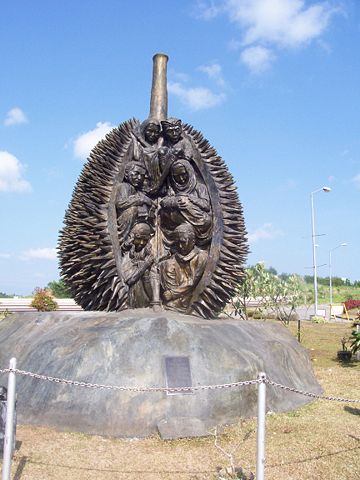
[[133, 348]]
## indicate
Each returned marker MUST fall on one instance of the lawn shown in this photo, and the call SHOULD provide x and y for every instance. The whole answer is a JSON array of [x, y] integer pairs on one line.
[[318, 441], [339, 294]]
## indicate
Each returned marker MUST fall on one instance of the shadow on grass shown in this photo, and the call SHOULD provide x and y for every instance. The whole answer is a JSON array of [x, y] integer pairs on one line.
[[349, 364], [25, 460], [315, 457], [20, 468], [352, 410]]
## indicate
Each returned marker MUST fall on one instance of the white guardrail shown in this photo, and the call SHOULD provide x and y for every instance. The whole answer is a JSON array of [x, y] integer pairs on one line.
[[24, 305]]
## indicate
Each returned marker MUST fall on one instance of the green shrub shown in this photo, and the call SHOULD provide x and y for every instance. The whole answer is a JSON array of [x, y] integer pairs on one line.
[[43, 300], [318, 319], [355, 339]]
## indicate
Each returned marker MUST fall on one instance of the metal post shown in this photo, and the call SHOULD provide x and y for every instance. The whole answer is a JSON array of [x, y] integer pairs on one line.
[[314, 252], [260, 458], [9, 427], [330, 273], [330, 282], [330, 277], [324, 189]]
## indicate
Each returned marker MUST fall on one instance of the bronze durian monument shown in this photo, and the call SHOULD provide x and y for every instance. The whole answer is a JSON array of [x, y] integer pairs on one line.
[[154, 220]]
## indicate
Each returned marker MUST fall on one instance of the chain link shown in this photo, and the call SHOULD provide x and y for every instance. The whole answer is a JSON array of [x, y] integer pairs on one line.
[[245, 383], [312, 395], [131, 389]]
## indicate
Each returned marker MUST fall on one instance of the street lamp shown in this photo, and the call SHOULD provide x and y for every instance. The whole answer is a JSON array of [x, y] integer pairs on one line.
[[326, 190], [330, 272]]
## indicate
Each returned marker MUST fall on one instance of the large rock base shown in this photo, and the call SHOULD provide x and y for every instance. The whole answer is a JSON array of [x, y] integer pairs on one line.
[[129, 349]]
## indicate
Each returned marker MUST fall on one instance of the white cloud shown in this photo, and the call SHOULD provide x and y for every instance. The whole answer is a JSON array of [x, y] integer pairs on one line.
[[196, 98], [207, 10], [40, 253], [273, 24], [214, 72], [356, 180], [5, 255], [179, 76], [265, 232], [11, 171], [287, 23], [85, 142], [257, 58], [15, 116]]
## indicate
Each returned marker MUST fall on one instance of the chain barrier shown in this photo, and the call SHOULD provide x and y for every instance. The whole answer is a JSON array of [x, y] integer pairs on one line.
[[312, 395], [132, 389], [177, 389]]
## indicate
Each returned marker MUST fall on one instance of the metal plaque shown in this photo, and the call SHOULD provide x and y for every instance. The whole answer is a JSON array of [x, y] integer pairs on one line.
[[178, 373]]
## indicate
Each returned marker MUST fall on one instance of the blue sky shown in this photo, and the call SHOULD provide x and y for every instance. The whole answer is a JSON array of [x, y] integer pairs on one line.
[[272, 84]]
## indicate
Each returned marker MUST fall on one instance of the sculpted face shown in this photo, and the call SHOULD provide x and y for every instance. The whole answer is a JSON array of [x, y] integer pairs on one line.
[[140, 241], [181, 175], [141, 236], [172, 132], [185, 241], [136, 176], [152, 133]]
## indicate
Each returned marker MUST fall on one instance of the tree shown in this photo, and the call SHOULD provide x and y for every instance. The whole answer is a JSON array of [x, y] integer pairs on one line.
[[272, 270], [249, 289], [59, 289], [6, 295], [270, 294]]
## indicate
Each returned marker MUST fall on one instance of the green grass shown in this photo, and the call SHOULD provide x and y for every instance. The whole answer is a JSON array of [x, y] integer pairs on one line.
[[340, 294], [323, 341]]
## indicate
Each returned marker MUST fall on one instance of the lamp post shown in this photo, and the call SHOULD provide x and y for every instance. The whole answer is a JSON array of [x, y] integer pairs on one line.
[[323, 189], [330, 270]]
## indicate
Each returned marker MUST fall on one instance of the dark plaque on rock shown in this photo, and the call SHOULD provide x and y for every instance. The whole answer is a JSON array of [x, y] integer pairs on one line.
[[178, 373], [155, 219]]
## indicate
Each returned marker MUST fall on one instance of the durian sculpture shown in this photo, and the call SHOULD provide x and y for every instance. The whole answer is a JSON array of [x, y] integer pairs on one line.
[[154, 220]]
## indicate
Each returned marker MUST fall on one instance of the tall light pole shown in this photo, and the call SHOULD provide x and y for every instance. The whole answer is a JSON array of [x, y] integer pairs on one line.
[[323, 189], [330, 270]]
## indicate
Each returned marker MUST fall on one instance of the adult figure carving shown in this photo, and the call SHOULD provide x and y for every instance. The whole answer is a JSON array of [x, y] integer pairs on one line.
[[131, 203], [175, 146], [183, 270], [144, 147], [175, 139], [187, 200], [136, 267]]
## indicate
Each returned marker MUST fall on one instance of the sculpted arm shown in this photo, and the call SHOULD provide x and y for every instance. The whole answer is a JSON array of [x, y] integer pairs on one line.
[[131, 274]]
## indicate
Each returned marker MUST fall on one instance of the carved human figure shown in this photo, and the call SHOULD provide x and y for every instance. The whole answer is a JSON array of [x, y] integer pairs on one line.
[[187, 200], [132, 205], [175, 139], [136, 267], [144, 147], [180, 274]]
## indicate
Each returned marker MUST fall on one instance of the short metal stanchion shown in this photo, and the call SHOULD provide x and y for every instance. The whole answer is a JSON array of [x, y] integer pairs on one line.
[[260, 457], [9, 428]]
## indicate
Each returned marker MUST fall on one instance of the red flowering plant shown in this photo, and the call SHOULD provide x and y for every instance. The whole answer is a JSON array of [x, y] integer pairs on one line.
[[351, 304], [43, 300]]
